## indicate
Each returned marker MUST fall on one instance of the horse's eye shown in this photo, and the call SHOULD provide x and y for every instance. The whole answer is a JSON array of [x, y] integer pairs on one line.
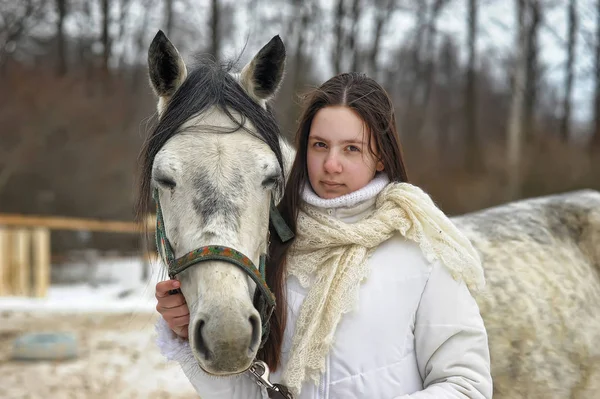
[[166, 182], [270, 181]]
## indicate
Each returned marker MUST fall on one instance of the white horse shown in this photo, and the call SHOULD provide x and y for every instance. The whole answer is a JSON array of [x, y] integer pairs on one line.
[[214, 182]]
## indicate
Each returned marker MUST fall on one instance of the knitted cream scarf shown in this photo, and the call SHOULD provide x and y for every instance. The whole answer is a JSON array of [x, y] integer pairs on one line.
[[330, 256]]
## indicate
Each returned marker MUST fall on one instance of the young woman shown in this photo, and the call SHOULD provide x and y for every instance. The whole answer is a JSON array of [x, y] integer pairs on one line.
[[378, 280]]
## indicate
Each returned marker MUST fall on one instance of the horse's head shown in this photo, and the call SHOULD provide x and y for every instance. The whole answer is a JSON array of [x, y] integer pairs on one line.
[[214, 160]]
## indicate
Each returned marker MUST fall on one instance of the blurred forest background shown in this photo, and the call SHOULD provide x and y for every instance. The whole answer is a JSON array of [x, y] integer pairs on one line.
[[496, 100]]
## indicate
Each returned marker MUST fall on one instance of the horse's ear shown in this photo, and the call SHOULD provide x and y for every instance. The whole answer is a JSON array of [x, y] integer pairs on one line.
[[263, 75], [166, 69]]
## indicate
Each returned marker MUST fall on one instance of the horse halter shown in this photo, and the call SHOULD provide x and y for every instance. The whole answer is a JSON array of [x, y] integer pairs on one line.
[[265, 302]]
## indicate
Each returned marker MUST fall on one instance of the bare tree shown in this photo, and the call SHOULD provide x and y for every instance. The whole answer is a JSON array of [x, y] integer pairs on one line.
[[123, 13], [473, 160], [449, 82], [105, 39], [304, 10], [383, 12], [215, 22], [169, 17], [140, 43], [61, 8], [338, 35], [517, 105], [596, 135], [84, 40], [431, 34], [533, 13], [416, 62], [346, 54], [569, 72], [353, 36]]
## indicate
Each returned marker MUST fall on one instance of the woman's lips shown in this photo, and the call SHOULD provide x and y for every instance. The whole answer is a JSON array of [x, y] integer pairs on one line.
[[330, 183]]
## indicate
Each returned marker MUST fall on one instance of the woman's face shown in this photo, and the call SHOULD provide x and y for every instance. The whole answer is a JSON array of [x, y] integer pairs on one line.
[[339, 160]]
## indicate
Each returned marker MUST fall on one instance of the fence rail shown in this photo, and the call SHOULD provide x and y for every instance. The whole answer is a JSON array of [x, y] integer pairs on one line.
[[25, 248]]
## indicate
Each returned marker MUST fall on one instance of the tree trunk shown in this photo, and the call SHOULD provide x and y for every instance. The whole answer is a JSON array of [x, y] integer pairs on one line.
[[533, 15], [515, 122], [83, 42], [169, 17], [572, 43], [352, 38], [383, 14], [140, 45], [427, 70], [338, 35], [304, 11], [430, 51], [215, 21], [473, 159], [415, 70], [61, 8], [596, 135], [446, 109], [105, 37], [123, 13]]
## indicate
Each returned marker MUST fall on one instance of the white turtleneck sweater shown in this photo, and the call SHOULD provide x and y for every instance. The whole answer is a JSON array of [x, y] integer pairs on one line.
[[417, 333]]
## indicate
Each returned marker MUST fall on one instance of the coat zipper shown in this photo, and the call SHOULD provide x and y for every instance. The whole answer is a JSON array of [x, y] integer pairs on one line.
[[324, 380]]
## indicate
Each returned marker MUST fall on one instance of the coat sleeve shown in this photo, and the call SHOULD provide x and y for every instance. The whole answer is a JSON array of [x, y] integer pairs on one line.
[[207, 386], [451, 342]]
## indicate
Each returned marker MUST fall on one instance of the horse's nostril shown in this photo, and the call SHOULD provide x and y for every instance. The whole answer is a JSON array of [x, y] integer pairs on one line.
[[200, 344], [256, 332]]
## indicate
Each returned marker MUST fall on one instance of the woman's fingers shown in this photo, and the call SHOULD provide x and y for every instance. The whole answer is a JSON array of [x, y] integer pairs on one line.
[[181, 331], [167, 300], [169, 314], [173, 307], [172, 301], [182, 321], [163, 288], [179, 325]]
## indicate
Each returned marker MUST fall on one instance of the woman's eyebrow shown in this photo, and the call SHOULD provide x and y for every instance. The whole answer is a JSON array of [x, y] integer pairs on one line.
[[353, 141], [349, 141]]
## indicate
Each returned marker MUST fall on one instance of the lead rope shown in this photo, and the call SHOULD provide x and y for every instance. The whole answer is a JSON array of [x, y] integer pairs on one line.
[[260, 371]]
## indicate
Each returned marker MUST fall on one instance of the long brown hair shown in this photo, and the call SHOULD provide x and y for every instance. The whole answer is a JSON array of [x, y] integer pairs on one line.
[[371, 102]]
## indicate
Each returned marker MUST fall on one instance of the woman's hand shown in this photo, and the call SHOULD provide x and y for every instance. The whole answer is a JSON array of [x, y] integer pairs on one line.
[[173, 307]]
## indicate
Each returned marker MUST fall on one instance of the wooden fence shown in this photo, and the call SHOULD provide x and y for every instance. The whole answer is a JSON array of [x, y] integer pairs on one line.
[[25, 248]]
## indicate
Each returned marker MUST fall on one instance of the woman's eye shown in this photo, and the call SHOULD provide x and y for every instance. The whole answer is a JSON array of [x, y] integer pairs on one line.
[[319, 144], [353, 148]]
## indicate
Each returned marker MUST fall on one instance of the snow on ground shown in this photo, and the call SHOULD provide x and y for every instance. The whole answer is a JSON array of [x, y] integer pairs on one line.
[[114, 327]]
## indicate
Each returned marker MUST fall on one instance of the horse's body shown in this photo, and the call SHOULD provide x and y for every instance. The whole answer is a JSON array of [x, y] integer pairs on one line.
[[541, 306], [541, 256]]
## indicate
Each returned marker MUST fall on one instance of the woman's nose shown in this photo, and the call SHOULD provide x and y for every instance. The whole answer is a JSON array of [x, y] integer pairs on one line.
[[332, 164]]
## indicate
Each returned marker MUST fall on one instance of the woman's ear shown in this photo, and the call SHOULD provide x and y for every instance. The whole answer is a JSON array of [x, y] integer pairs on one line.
[[379, 166]]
